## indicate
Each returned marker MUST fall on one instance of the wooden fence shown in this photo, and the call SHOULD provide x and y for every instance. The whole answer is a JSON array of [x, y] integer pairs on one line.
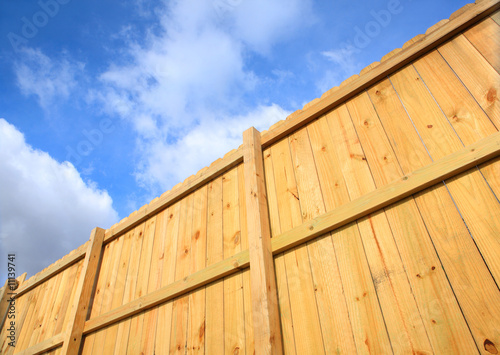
[[367, 222]]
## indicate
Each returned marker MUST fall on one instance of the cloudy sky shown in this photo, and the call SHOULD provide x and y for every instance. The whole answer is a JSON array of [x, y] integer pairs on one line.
[[104, 105]]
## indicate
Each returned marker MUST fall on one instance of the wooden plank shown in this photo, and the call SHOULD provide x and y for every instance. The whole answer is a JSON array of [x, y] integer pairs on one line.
[[477, 205], [41, 312], [419, 180], [84, 289], [64, 313], [247, 290], [178, 333], [122, 334], [155, 279], [458, 254], [164, 323], [451, 28], [234, 317], [485, 36], [216, 169], [116, 249], [462, 112], [265, 312], [55, 268], [58, 302], [214, 330], [116, 298], [331, 287], [196, 317], [279, 260], [141, 288], [99, 294], [47, 312], [28, 327], [345, 175], [480, 78], [44, 346], [306, 322], [496, 17], [447, 328]]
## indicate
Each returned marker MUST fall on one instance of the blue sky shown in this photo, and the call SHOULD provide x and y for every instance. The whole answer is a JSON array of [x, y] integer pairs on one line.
[[106, 105]]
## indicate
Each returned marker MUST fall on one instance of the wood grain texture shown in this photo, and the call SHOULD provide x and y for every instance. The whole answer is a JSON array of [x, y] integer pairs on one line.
[[79, 310], [480, 78], [450, 236], [307, 329], [265, 312], [485, 36]]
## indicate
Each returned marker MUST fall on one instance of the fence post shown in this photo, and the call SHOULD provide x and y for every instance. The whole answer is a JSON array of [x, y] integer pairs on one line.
[[265, 312], [74, 332]]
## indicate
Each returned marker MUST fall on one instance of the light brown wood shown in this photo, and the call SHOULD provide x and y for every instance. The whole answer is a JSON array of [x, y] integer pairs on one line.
[[214, 330], [234, 316], [441, 35], [265, 312], [419, 180], [279, 260], [485, 36], [176, 194], [85, 286], [300, 282], [57, 267], [44, 346]]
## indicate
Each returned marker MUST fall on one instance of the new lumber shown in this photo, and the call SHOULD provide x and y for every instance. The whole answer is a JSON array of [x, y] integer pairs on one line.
[[73, 338], [44, 346], [451, 28], [419, 180], [265, 312]]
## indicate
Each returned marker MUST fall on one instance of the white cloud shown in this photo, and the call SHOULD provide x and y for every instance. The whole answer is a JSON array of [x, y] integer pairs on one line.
[[169, 163], [47, 79], [46, 209], [185, 89]]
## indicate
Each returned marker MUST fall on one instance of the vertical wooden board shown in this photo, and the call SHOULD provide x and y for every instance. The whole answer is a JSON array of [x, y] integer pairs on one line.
[[480, 78], [234, 317], [164, 323], [141, 288], [155, 280], [64, 284], [178, 336], [24, 333], [305, 318], [98, 298], [196, 320], [118, 289], [122, 333], [463, 113], [22, 305], [334, 157], [247, 297], [447, 328], [481, 211], [336, 327], [214, 330], [109, 287], [64, 313], [279, 260], [491, 172], [40, 312], [51, 305], [451, 238], [485, 36], [33, 326], [435, 131]]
